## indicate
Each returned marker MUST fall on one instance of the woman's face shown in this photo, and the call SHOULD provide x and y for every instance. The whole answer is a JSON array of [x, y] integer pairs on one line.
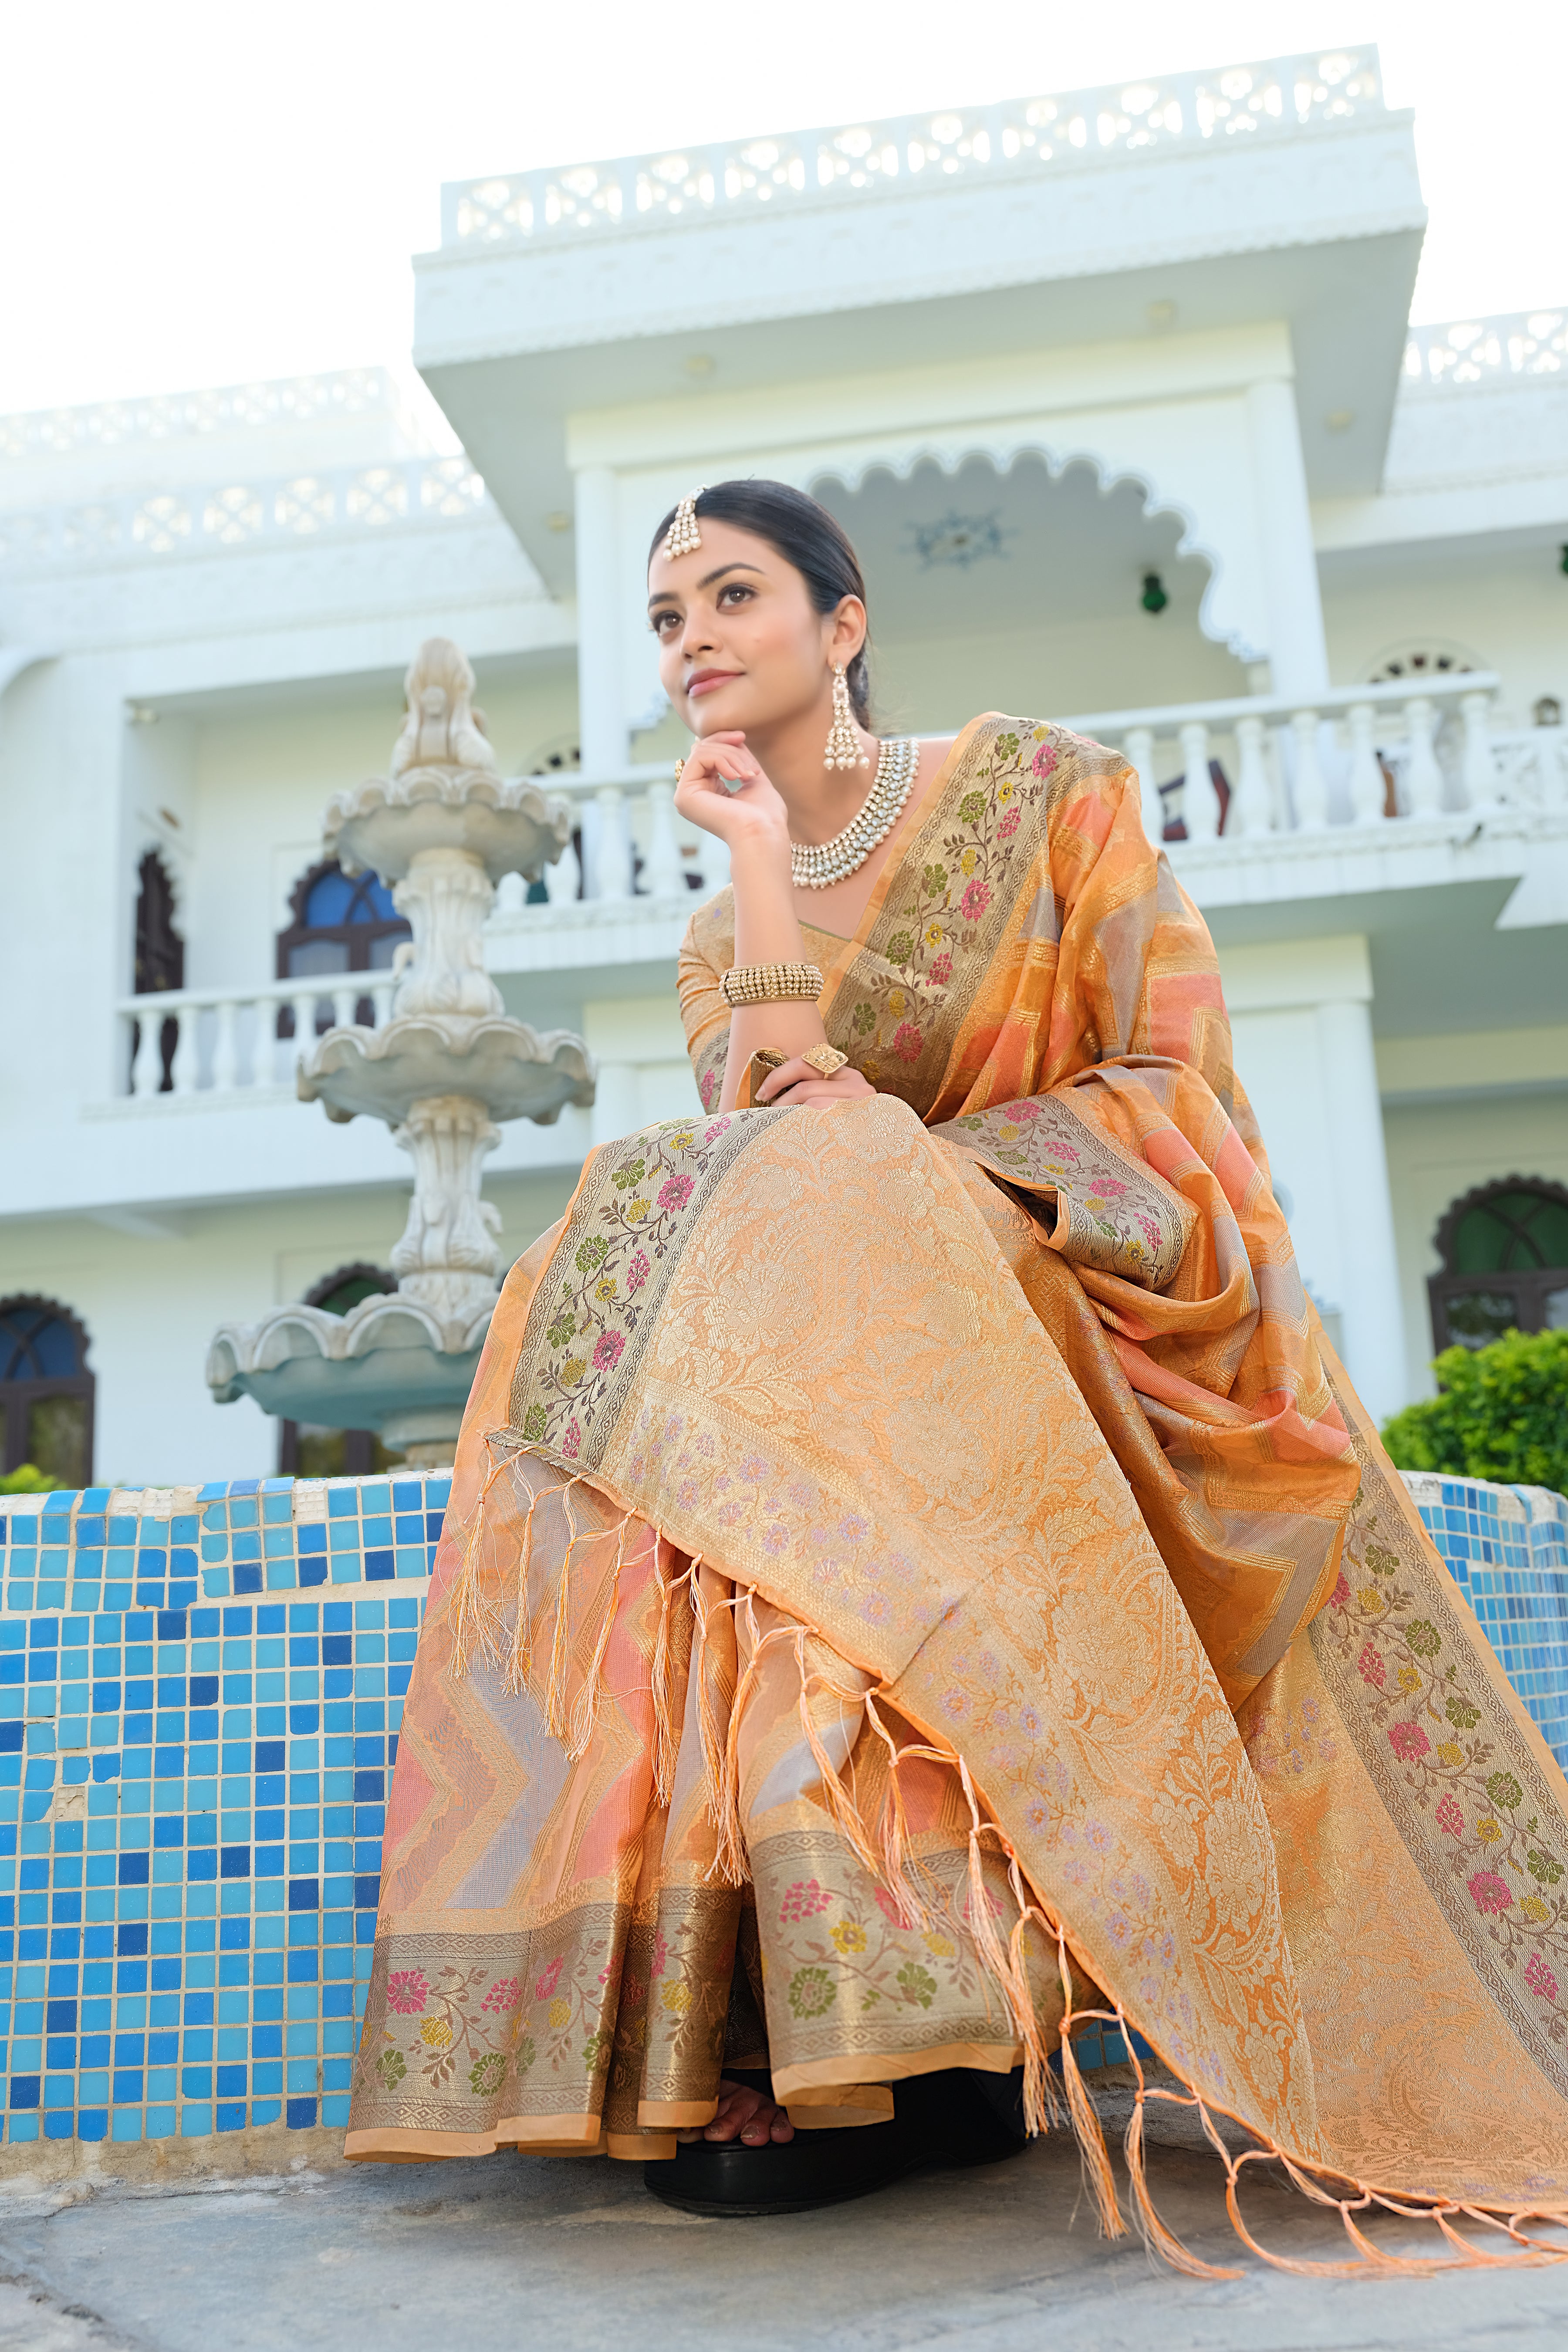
[[741, 644]]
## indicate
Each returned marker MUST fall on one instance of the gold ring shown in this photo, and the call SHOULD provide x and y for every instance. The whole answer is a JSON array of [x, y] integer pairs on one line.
[[826, 1060], [679, 765]]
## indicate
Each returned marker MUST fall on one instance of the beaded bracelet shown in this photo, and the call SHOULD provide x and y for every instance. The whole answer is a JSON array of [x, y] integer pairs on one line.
[[771, 984]]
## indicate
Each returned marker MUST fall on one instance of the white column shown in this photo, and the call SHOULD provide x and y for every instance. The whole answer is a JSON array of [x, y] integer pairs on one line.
[[1371, 1312], [601, 693], [1298, 649]]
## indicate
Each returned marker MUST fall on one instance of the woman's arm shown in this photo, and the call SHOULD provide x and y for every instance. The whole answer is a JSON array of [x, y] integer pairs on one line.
[[754, 824]]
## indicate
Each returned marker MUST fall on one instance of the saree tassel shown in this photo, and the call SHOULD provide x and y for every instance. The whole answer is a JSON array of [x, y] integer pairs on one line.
[[1159, 2238], [520, 1665], [841, 1807], [1041, 2110], [477, 1625], [1002, 1964], [585, 1712], [1092, 2151], [893, 1832], [728, 1864], [665, 1716]]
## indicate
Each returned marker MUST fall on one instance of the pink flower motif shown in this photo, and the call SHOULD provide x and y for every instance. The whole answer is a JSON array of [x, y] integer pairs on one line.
[[674, 1191], [1488, 1892], [907, 1041], [1010, 823], [1150, 1229], [1449, 1817], [406, 1992], [1110, 1189], [549, 1980], [660, 1955], [1024, 1112], [753, 1467], [1538, 1978], [1045, 759], [719, 1126], [1409, 1742], [1341, 1593], [572, 1444], [1097, 1835], [804, 1900], [1370, 1667], [888, 1908], [942, 970], [774, 1541], [638, 1271], [504, 1994], [607, 1353], [974, 901], [611, 1969], [709, 1089], [852, 1528]]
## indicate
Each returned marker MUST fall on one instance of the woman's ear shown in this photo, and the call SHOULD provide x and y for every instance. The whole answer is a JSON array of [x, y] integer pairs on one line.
[[848, 630]]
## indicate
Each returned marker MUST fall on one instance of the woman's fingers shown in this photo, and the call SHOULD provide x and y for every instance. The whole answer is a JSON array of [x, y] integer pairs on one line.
[[796, 1081]]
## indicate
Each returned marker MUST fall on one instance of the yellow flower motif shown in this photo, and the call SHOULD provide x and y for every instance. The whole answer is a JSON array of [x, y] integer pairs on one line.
[[1409, 1679], [435, 2033], [572, 1371], [870, 1071], [1005, 792], [1534, 1908], [1006, 1131], [1449, 1752], [967, 861], [604, 1288], [896, 1001], [939, 1946], [933, 935], [1369, 1596], [676, 1998], [848, 1937], [1488, 1830], [560, 2013], [680, 1142], [636, 1211]]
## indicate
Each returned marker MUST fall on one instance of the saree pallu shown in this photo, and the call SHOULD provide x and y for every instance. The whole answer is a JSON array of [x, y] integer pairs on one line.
[[915, 1577]]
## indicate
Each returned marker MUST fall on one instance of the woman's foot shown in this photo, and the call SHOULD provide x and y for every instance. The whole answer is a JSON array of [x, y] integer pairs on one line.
[[746, 2114]]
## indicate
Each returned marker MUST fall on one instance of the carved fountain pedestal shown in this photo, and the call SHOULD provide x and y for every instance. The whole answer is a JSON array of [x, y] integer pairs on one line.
[[450, 1063]]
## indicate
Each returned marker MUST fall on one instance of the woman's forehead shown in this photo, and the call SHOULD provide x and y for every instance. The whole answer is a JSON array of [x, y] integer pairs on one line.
[[722, 543]]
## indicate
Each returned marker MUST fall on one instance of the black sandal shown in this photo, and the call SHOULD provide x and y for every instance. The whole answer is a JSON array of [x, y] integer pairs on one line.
[[955, 2119]]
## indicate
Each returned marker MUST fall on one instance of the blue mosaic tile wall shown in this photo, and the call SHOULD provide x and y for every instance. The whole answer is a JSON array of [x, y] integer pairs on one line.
[[1508, 1547], [200, 1695]]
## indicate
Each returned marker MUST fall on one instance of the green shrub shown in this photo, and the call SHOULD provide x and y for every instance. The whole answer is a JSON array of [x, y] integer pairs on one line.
[[1502, 1413], [27, 1480]]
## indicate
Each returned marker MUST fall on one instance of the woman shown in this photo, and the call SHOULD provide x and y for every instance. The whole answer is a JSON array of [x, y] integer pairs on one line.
[[916, 1575]]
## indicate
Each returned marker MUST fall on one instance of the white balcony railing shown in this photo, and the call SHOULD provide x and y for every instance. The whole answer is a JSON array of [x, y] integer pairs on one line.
[[1237, 103], [331, 503], [1354, 764], [1488, 351], [226, 1041]]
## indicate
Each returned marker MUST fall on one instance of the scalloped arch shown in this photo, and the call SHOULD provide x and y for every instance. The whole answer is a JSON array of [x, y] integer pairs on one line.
[[1056, 457]]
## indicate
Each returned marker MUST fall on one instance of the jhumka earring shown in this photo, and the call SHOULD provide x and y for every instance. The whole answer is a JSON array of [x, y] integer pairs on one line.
[[843, 743], [683, 534]]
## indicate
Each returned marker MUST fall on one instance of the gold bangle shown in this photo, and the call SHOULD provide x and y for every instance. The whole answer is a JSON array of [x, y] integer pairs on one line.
[[771, 984]]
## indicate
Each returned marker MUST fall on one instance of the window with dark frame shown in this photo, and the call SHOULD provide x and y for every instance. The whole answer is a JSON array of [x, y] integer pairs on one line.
[[1504, 1249], [308, 1450], [47, 1390], [343, 923]]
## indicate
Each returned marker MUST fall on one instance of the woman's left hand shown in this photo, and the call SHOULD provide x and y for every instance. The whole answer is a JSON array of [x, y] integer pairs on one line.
[[796, 1082]]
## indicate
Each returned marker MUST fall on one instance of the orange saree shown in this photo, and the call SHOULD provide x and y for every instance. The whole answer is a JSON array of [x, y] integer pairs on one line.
[[914, 1576]]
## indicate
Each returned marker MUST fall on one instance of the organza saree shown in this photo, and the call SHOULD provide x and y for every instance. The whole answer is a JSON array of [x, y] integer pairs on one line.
[[915, 1577]]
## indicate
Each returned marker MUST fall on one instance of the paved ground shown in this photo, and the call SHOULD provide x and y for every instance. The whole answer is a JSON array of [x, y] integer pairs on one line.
[[573, 2257]]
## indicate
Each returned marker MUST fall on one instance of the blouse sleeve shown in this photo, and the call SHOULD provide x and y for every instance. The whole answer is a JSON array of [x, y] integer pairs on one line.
[[705, 952]]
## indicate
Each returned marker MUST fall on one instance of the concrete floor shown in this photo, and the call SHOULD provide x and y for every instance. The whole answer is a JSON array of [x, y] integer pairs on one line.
[[571, 2257]]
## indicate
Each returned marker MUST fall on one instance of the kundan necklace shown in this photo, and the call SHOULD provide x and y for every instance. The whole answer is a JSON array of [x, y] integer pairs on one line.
[[817, 865]]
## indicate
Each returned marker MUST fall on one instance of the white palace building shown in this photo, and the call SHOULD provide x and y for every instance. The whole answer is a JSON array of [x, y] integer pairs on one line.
[[1117, 393]]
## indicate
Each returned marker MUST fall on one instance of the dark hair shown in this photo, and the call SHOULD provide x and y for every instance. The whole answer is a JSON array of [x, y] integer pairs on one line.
[[805, 535]]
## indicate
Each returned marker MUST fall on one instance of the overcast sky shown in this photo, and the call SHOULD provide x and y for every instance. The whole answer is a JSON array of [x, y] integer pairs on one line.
[[197, 193]]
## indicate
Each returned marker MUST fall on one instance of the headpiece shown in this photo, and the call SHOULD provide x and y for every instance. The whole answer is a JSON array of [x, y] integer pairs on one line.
[[683, 534]]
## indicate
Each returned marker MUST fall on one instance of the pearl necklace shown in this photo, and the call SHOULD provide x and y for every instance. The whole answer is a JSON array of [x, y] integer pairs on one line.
[[817, 865]]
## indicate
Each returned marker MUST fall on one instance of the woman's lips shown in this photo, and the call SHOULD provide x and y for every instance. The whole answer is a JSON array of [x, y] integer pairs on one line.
[[705, 681]]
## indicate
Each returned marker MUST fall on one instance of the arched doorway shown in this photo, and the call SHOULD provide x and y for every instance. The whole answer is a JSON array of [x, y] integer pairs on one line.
[[46, 1389], [306, 1449], [1504, 1249]]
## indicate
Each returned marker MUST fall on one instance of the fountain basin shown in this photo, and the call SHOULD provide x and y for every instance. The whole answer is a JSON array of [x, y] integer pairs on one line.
[[511, 1069], [388, 1365]]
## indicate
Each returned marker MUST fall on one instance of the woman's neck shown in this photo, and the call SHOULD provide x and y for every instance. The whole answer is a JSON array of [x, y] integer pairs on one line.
[[821, 801]]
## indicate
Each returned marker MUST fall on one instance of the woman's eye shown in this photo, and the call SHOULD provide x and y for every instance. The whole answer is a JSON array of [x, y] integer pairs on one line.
[[662, 621], [736, 588]]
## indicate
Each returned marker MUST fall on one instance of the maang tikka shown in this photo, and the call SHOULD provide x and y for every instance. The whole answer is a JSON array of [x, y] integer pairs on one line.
[[843, 743], [683, 534]]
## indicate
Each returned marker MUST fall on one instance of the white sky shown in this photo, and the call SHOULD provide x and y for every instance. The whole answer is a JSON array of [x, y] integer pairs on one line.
[[206, 193]]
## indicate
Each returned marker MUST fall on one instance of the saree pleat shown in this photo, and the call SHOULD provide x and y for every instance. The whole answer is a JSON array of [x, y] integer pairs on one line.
[[916, 1577]]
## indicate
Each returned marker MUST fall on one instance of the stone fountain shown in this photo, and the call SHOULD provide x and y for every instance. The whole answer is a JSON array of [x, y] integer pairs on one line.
[[442, 829]]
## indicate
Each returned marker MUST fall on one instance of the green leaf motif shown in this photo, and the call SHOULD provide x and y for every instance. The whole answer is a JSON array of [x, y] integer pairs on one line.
[[1461, 1715], [562, 1329], [1380, 1559], [533, 1423], [1504, 1791], [811, 1992], [486, 2075], [1424, 1638], [1542, 1868], [632, 1173], [934, 880], [863, 1018], [972, 807], [591, 1255], [917, 1985], [900, 947], [526, 2053], [391, 2066]]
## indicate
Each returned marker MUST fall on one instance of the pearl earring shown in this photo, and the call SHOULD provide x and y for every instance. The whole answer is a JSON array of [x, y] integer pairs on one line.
[[843, 743]]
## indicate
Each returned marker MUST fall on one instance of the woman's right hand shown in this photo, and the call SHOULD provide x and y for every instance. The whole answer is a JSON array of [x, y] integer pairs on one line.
[[754, 813]]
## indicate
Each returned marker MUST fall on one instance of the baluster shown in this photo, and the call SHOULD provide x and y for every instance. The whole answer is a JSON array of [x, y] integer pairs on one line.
[[1140, 749], [225, 1054], [344, 1002], [304, 1005], [612, 855], [1367, 788], [184, 1070], [147, 1068], [511, 895], [1200, 803], [1312, 790], [665, 876], [381, 1000], [1479, 768], [1251, 803], [1423, 776], [713, 863], [564, 879]]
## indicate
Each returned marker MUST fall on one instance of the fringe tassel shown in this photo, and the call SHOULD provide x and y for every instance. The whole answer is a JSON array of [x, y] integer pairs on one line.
[[1159, 2239], [1095, 2160], [842, 1809], [893, 1831], [476, 1623], [729, 1864], [1006, 1966], [665, 1721], [585, 1712]]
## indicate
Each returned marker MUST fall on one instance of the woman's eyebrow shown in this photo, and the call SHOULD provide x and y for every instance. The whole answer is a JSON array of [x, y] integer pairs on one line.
[[668, 595]]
